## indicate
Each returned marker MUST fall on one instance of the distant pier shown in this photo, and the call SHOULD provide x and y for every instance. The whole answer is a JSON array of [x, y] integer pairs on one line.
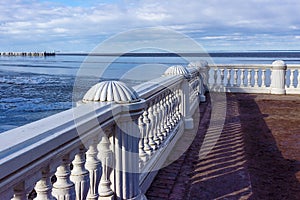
[[27, 54]]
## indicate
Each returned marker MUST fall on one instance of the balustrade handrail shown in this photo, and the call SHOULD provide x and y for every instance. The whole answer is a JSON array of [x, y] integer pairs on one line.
[[242, 66], [293, 66], [251, 66], [153, 87]]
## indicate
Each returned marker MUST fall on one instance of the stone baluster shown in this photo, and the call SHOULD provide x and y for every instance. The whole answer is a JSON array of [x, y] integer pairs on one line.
[[159, 129], [228, 77], [298, 79], [249, 78], [278, 77], [152, 129], [173, 98], [143, 156], [256, 77], [165, 116], [156, 122], [178, 104], [222, 76], [263, 78], [235, 77], [20, 192], [292, 77], [43, 187], [80, 176], [148, 148], [170, 122], [149, 128], [242, 78], [215, 76], [105, 156], [63, 188], [161, 117], [93, 165], [173, 102], [169, 111]]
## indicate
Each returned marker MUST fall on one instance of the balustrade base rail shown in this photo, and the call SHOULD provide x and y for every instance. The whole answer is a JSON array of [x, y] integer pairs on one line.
[[266, 90]]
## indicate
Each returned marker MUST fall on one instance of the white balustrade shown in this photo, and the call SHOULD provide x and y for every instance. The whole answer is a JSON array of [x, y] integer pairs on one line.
[[293, 80], [112, 150], [109, 147], [275, 78]]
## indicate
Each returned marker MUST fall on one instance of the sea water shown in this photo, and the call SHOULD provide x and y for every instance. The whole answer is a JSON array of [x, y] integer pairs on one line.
[[32, 88]]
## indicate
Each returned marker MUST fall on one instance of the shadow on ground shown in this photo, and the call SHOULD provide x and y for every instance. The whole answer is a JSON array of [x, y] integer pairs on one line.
[[272, 176], [243, 162]]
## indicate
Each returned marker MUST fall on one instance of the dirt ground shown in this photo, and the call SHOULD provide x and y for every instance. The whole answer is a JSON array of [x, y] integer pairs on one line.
[[271, 124], [256, 156]]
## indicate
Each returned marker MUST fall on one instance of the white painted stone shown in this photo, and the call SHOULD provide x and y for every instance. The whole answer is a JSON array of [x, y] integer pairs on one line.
[[177, 70], [168, 102], [108, 91], [278, 77]]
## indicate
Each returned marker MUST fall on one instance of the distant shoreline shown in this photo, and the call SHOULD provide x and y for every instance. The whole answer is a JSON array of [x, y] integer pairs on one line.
[[261, 54], [257, 54], [27, 53]]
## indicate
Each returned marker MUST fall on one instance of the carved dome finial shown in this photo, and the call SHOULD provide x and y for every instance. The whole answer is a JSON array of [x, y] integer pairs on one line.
[[177, 70], [109, 91]]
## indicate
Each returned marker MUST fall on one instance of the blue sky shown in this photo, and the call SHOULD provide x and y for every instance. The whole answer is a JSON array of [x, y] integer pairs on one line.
[[80, 25]]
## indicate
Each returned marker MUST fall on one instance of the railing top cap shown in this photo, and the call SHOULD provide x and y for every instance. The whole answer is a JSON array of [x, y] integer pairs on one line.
[[177, 70], [279, 64], [108, 91], [200, 63]]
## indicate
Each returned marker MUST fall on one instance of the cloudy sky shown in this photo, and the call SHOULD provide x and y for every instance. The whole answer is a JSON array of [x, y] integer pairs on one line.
[[79, 25]]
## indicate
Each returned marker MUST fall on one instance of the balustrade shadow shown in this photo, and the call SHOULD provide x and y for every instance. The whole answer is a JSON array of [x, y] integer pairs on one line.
[[272, 176], [244, 163], [171, 182], [214, 165], [221, 172]]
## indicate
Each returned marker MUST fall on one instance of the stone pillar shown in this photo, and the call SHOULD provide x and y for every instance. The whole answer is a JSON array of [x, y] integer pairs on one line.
[[278, 77], [202, 67], [187, 116], [204, 75], [126, 137]]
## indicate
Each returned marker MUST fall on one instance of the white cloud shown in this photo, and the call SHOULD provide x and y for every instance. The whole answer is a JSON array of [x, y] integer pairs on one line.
[[206, 21]]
